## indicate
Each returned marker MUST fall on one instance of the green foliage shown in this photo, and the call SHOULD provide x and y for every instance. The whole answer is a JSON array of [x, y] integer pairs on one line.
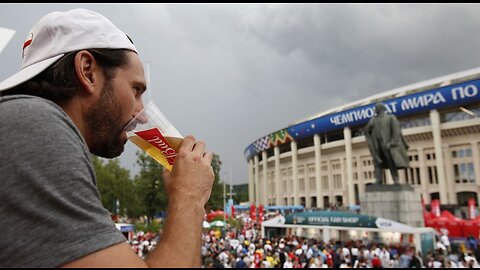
[[241, 193], [145, 194], [216, 198], [219, 217], [154, 226], [148, 186], [114, 185], [235, 223]]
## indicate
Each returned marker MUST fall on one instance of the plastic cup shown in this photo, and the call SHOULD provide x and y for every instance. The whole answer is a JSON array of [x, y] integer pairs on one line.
[[151, 131]]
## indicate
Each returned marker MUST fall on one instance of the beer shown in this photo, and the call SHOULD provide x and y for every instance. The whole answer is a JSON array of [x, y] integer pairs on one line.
[[162, 149], [151, 131]]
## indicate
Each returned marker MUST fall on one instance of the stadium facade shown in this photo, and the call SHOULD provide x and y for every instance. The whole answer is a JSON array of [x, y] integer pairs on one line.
[[324, 160]]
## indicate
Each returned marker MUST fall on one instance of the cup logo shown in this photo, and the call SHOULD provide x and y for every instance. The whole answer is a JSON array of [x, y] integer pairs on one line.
[[155, 138]]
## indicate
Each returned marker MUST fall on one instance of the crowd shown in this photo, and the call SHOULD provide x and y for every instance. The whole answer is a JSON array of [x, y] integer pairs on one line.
[[298, 252], [224, 247]]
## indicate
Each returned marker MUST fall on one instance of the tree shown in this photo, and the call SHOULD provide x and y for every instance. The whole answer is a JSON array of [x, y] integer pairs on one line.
[[241, 193], [216, 198], [148, 186], [145, 194], [114, 185]]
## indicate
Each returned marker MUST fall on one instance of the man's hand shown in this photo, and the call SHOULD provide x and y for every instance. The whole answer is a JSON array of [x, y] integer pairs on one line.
[[188, 188], [191, 178]]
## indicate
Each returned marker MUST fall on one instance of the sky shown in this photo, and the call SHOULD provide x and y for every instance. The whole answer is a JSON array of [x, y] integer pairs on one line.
[[232, 73]]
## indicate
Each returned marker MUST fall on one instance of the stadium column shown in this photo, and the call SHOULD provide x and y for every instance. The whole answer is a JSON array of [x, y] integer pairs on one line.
[[318, 172], [347, 134], [331, 186], [264, 168], [437, 142], [278, 179], [293, 145], [476, 167], [251, 187], [449, 175], [423, 175], [307, 188], [257, 182]]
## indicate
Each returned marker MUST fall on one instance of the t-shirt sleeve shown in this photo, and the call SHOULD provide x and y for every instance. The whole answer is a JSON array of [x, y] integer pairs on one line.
[[51, 209]]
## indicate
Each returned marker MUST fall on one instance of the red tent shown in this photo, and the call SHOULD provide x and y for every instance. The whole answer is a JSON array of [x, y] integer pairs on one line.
[[213, 214], [471, 227], [253, 213], [448, 221], [260, 214]]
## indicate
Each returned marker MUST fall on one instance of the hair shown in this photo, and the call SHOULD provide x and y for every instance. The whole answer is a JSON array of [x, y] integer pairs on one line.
[[59, 81]]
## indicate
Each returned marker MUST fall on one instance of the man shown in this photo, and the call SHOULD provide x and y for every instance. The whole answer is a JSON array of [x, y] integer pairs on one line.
[[80, 83], [386, 144]]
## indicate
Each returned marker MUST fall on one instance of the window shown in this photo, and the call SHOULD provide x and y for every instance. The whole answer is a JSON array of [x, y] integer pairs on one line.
[[417, 170], [303, 143], [432, 174], [334, 136], [325, 182], [463, 169], [311, 177], [414, 121], [463, 197], [337, 181], [457, 115], [464, 173]]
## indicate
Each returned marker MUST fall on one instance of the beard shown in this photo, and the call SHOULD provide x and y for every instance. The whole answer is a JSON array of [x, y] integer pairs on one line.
[[104, 120]]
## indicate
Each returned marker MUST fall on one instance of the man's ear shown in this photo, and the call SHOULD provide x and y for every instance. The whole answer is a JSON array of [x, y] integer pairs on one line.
[[87, 70]]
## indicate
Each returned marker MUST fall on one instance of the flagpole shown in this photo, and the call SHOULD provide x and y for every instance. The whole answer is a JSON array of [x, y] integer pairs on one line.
[[224, 202]]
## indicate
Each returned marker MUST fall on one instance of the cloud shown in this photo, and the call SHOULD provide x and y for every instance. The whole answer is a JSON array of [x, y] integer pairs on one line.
[[232, 73]]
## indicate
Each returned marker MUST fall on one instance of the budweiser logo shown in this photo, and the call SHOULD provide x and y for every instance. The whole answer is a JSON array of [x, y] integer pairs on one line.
[[155, 138]]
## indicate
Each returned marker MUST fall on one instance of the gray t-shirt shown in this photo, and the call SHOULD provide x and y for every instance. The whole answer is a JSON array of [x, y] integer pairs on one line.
[[50, 208]]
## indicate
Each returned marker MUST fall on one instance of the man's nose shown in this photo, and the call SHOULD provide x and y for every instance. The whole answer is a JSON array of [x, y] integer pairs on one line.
[[139, 113]]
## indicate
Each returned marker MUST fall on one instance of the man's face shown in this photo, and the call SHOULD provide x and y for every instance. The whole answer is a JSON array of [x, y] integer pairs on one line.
[[119, 101]]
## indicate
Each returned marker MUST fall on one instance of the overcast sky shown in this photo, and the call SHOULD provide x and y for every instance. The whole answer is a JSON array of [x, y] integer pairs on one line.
[[232, 73]]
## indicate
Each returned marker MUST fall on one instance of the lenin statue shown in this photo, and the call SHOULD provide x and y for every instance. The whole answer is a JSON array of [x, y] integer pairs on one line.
[[386, 144]]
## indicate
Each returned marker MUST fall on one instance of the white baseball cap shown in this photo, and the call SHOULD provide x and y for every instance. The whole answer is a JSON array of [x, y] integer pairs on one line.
[[58, 33]]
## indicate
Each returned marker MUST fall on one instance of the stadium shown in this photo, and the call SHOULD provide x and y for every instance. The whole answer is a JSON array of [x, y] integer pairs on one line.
[[324, 161]]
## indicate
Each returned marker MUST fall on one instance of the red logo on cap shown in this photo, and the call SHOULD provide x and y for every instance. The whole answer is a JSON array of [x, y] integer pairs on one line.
[[27, 43]]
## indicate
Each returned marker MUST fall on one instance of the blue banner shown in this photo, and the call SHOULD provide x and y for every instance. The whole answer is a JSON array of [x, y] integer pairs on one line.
[[448, 96], [453, 95]]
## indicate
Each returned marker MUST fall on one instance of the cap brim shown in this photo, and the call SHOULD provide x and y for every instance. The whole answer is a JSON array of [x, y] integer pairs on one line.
[[27, 73]]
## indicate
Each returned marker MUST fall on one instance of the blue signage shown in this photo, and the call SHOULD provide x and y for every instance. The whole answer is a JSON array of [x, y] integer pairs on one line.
[[452, 95]]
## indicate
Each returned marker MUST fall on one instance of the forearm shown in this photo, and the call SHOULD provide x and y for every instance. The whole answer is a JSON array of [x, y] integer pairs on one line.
[[180, 242]]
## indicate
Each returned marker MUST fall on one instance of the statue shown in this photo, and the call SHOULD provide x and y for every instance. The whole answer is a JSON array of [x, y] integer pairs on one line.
[[386, 144]]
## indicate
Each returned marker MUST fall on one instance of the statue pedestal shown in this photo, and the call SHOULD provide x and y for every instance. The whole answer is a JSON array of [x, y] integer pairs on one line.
[[398, 202]]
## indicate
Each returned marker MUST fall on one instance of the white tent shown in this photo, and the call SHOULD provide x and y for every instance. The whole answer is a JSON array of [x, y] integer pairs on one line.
[[205, 224], [217, 223], [331, 221]]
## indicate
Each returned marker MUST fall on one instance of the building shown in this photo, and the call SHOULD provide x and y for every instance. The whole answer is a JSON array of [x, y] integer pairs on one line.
[[324, 160]]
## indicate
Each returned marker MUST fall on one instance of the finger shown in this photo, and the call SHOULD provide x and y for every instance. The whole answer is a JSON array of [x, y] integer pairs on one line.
[[208, 157], [199, 147], [187, 144]]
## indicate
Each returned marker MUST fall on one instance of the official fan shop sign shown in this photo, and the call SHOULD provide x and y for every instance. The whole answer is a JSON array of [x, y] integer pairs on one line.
[[342, 219]]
